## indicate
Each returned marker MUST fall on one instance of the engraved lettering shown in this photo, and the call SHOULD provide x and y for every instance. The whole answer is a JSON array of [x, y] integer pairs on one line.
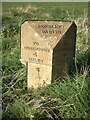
[[35, 54], [37, 49], [50, 26], [35, 60], [44, 31], [35, 43], [47, 29], [51, 32]]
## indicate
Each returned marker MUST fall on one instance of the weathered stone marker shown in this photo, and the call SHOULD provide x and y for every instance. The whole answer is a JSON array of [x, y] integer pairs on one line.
[[47, 48]]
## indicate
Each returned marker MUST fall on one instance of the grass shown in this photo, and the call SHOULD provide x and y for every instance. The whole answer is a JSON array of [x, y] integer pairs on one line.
[[68, 97], [65, 98]]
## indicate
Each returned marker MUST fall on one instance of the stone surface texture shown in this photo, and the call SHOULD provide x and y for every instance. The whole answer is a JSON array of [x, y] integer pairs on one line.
[[47, 48]]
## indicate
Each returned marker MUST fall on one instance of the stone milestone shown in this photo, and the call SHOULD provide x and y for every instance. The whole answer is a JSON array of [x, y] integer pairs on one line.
[[47, 49]]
